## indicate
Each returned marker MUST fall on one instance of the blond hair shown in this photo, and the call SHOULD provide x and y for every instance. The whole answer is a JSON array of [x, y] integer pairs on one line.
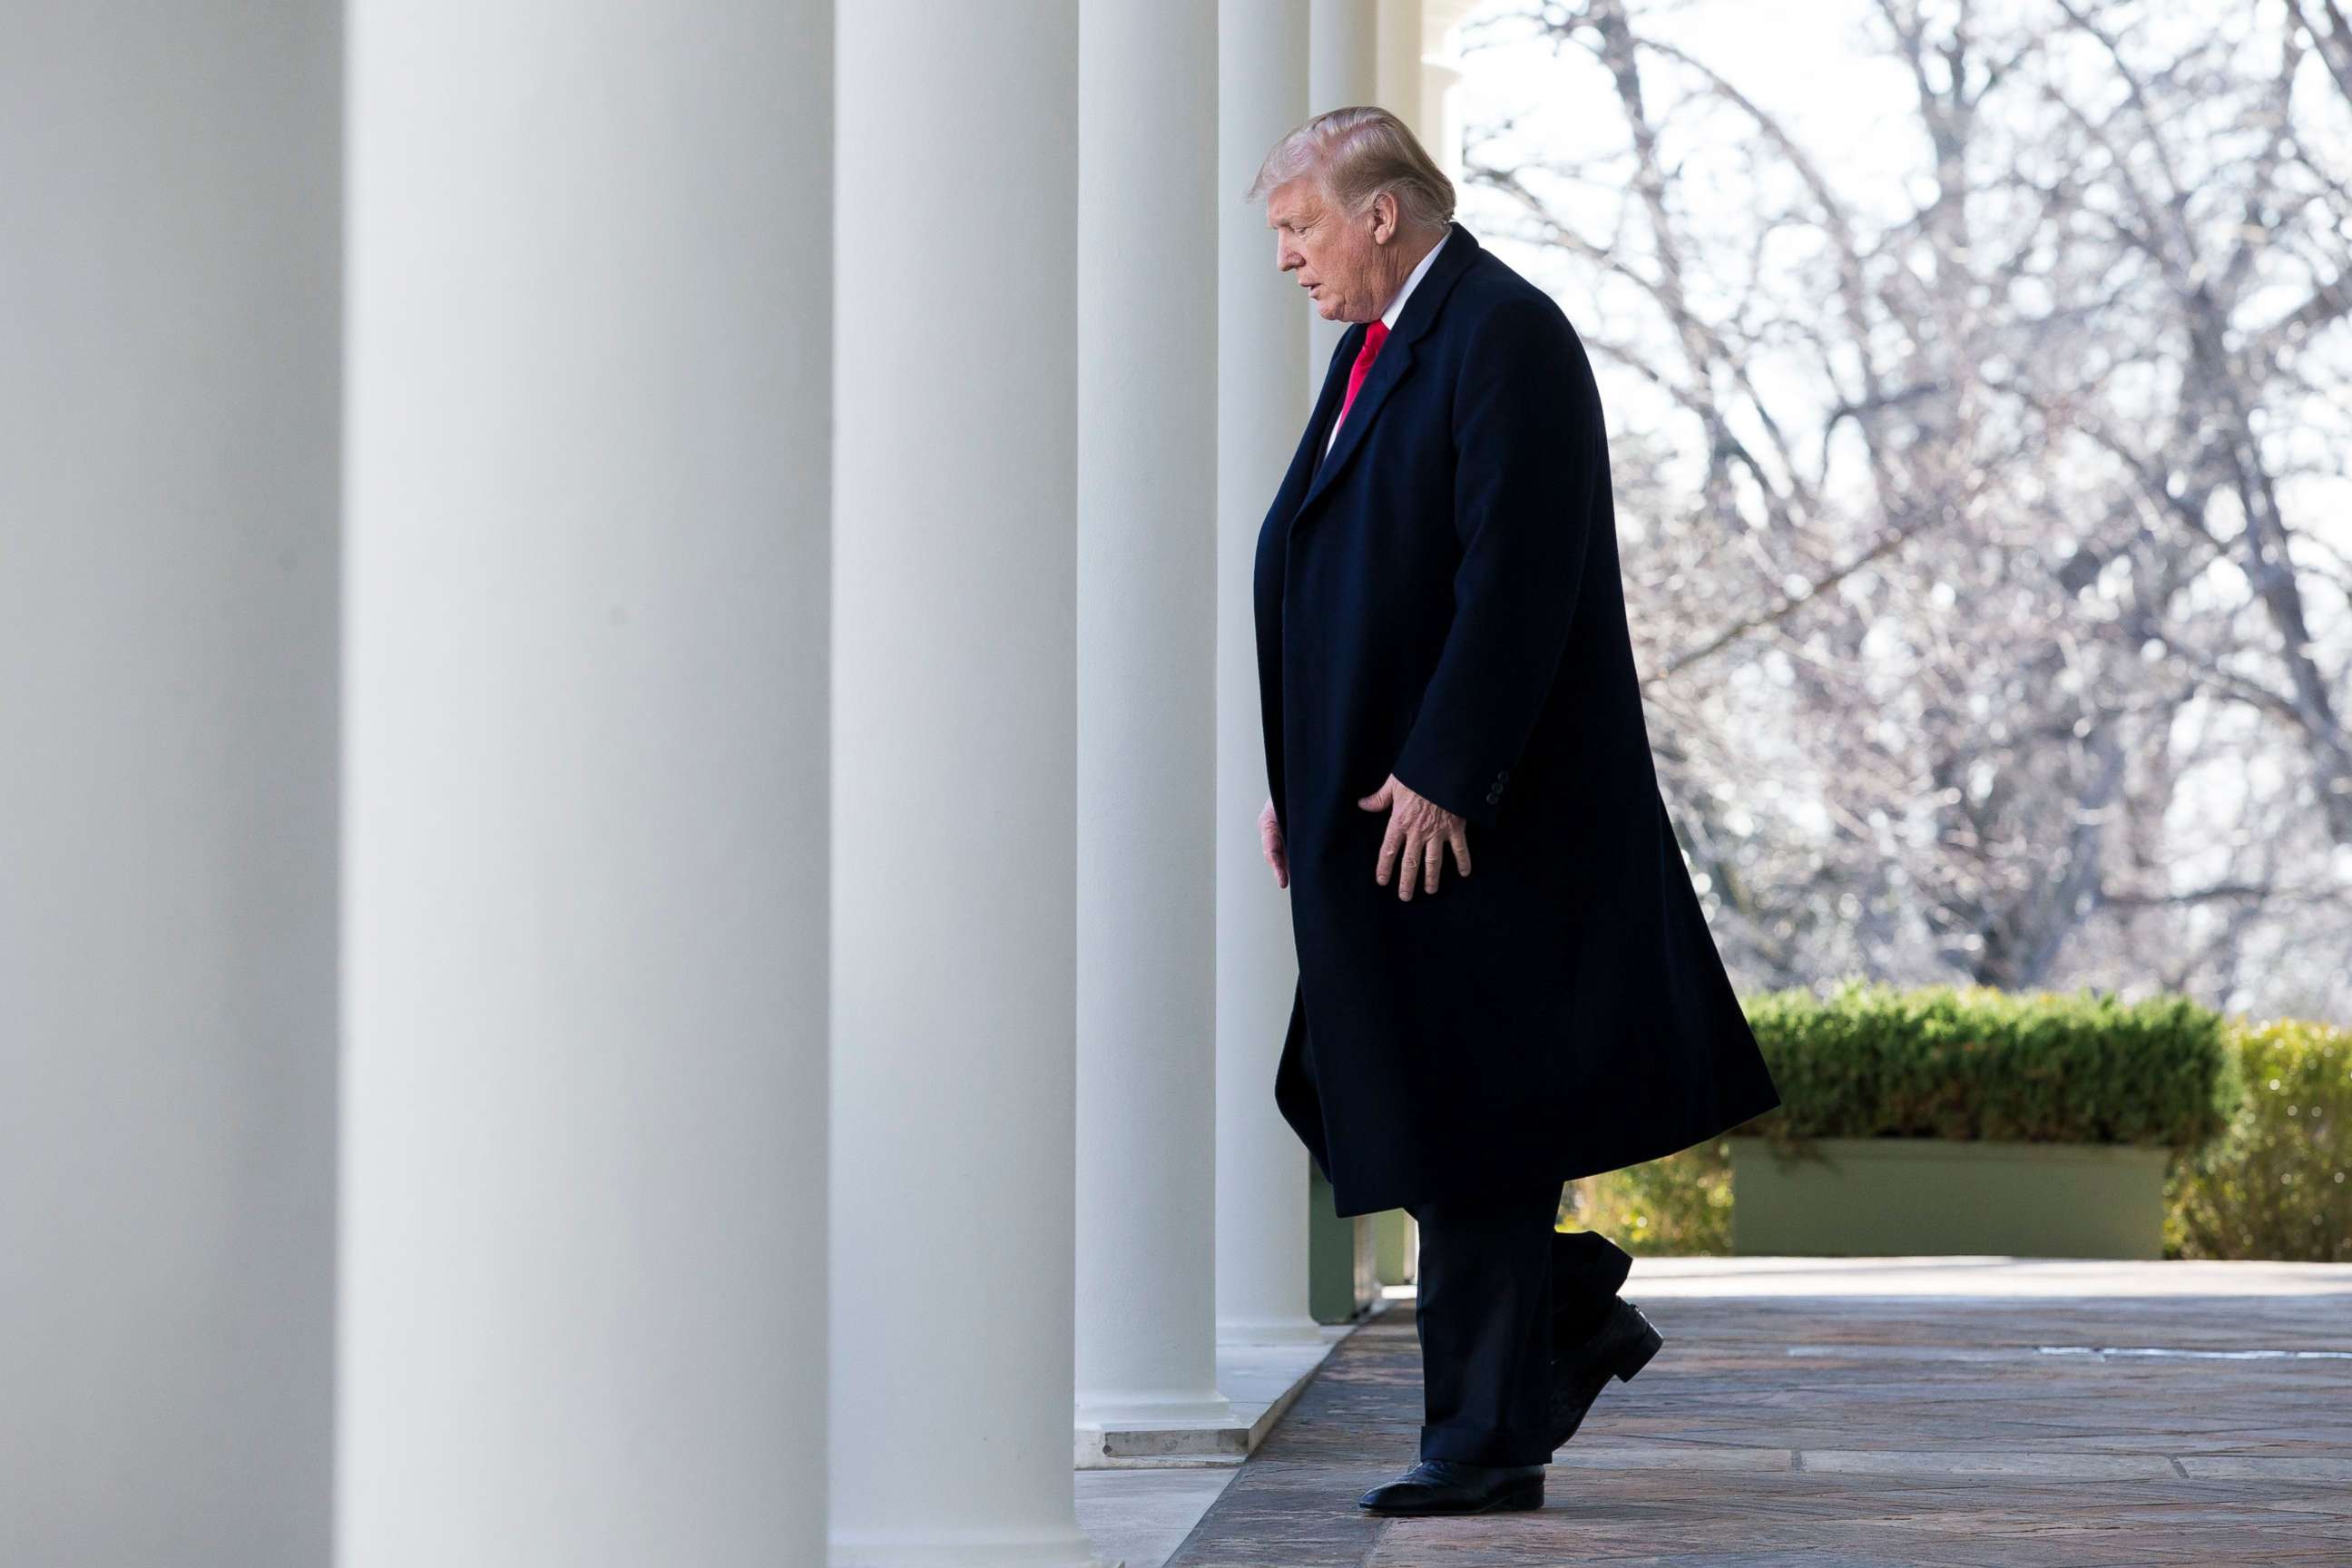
[[1361, 152]]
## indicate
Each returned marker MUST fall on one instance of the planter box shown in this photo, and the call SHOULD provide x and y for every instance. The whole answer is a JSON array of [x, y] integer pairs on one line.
[[1340, 1279], [1394, 1247], [1844, 1198]]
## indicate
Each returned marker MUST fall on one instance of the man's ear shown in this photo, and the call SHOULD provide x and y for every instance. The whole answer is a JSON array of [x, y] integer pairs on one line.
[[1384, 218]]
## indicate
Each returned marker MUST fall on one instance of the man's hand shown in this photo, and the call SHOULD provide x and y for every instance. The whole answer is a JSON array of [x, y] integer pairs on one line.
[[1269, 836], [1421, 829]]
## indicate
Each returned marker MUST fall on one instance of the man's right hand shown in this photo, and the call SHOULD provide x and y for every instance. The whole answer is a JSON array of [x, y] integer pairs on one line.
[[1269, 834]]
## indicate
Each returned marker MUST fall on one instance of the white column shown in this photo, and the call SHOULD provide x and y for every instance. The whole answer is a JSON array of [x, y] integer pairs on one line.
[[1343, 61], [954, 720], [1343, 70], [1147, 1103], [1261, 410], [1399, 63], [583, 1315], [1440, 127], [169, 310]]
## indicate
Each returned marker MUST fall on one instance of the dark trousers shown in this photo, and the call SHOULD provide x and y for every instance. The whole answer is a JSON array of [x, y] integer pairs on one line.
[[1497, 1285]]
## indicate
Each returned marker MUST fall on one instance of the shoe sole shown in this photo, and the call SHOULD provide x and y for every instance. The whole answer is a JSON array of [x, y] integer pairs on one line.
[[1518, 1499]]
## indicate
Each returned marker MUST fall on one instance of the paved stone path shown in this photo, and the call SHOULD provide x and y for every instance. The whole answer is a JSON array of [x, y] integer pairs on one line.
[[1779, 1428]]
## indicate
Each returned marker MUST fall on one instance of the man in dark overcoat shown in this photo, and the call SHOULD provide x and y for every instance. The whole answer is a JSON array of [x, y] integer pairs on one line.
[[1505, 977]]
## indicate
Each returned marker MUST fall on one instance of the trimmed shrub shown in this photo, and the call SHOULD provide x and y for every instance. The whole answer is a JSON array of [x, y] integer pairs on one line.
[[1871, 1062], [2278, 1183]]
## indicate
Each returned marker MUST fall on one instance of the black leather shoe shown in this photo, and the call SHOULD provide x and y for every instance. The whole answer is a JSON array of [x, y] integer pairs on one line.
[[1622, 1346], [1450, 1486]]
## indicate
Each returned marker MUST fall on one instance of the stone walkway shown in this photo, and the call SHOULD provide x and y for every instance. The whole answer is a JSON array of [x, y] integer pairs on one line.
[[1962, 1412]]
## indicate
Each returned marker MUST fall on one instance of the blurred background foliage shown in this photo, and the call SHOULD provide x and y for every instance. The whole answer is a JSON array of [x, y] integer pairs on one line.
[[1980, 441]]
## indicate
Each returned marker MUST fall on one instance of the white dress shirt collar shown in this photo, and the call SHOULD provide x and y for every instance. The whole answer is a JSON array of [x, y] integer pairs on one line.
[[1396, 306]]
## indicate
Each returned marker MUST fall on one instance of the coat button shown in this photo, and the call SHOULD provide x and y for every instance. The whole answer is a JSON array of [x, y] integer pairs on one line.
[[1493, 795]]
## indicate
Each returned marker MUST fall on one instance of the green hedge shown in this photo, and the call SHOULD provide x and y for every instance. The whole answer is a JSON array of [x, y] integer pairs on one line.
[[2278, 1183], [2259, 1113], [1871, 1062]]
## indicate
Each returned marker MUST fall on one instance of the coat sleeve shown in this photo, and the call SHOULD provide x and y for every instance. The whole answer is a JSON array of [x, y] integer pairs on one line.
[[1529, 450]]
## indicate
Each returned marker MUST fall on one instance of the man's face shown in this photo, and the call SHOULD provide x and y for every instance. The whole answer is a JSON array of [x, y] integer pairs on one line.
[[1340, 260]]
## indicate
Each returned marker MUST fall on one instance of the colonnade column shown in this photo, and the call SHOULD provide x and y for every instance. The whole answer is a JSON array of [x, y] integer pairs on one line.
[[1440, 74], [955, 785], [1262, 409], [1146, 1340], [585, 793], [1399, 63], [169, 305]]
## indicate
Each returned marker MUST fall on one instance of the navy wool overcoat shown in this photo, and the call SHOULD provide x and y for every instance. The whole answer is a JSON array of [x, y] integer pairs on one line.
[[1439, 598]]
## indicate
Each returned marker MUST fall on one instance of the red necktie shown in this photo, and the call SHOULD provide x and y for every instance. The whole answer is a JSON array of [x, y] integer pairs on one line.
[[1374, 336]]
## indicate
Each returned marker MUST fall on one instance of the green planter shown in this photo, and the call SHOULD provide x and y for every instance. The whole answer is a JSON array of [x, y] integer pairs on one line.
[[1393, 1246], [1863, 1196], [1341, 1281]]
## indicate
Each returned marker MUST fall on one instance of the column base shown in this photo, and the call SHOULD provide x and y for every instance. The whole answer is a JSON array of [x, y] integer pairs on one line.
[[1109, 1431], [1260, 1379], [1300, 1330], [1108, 1434], [1058, 1548]]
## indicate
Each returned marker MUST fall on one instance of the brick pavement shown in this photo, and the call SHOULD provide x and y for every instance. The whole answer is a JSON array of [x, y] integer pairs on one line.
[[1840, 1430]]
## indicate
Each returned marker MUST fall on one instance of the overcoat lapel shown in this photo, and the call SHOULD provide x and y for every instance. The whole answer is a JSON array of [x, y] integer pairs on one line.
[[1301, 472], [1394, 362], [1396, 359]]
